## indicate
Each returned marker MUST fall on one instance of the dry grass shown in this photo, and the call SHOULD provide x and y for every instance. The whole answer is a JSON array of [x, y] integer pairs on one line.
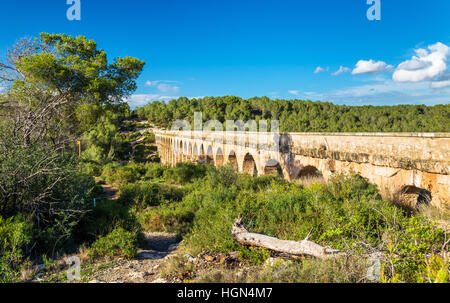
[[340, 270], [309, 180], [83, 254], [177, 266], [28, 271], [441, 216]]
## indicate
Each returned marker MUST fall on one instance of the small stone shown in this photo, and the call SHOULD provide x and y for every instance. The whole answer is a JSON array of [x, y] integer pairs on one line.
[[40, 267], [148, 255], [234, 254], [189, 258], [270, 262], [173, 247], [209, 258]]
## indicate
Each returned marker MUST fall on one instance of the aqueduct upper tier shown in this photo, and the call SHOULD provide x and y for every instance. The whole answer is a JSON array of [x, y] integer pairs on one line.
[[400, 164]]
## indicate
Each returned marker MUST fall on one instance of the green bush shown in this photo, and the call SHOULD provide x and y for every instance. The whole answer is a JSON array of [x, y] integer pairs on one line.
[[140, 195], [105, 142], [303, 115], [102, 220], [347, 214], [142, 153], [91, 168], [254, 255], [146, 194], [15, 233], [75, 200], [184, 173], [116, 174], [154, 171], [149, 138], [119, 243]]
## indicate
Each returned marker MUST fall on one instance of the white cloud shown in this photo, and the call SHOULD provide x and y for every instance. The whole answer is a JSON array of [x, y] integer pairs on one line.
[[371, 67], [138, 100], [440, 84], [427, 65], [143, 99], [342, 69], [294, 92], [320, 69], [165, 86], [385, 93]]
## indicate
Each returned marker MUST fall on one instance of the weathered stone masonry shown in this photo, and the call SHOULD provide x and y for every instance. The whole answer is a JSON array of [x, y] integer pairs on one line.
[[400, 164]]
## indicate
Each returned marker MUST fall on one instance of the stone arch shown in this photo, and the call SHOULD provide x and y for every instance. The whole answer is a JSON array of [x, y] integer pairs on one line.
[[180, 147], [209, 156], [201, 155], [308, 171], [202, 150], [196, 151], [249, 165], [190, 151], [232, 160], [308, 175], [185, 148], [218, 159], [273, 167], [413, 196], [205, 148]]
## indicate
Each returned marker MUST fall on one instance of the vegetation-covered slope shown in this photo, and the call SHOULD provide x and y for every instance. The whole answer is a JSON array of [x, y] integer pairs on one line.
[[303, 116]]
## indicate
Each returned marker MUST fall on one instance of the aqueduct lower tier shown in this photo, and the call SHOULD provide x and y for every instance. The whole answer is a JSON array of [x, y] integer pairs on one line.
[[400, 164]]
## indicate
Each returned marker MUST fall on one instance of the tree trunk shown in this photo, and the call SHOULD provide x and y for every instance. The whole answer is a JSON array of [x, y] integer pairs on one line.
[[305, 247]]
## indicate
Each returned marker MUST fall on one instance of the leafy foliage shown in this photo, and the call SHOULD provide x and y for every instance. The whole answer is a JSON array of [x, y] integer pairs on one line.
[[58, 87], [14, 234], [119, 243], [303, 116], [347, 214]]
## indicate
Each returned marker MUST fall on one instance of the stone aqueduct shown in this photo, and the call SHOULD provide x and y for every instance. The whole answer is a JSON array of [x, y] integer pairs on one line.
[[411, 165]]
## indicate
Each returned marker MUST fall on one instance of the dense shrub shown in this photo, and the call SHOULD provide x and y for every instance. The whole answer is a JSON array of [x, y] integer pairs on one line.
[[302, 115], [43, 183], [119, 243], [14, 234], [142, 153], [149, 138], [184, 173], [91, 168], [105, 142], [347, 214], [153, 171], [146, 194], [116, 174], [102, 220]]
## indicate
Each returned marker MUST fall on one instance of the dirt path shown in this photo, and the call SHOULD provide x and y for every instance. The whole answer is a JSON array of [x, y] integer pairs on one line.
[[111, 192], [146, 267]]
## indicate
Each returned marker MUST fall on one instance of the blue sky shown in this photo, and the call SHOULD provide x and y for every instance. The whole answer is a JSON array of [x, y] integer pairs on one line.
[[262, 48]]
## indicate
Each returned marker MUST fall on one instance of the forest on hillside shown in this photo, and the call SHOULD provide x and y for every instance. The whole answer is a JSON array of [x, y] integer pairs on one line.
[[61, 93], [302, 116]]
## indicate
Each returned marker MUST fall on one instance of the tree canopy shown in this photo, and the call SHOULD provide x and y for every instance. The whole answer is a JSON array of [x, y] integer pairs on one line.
[[303, 116], [70, 72]]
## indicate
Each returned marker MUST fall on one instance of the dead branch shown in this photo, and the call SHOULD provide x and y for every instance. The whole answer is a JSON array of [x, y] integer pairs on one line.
[[305, 247]]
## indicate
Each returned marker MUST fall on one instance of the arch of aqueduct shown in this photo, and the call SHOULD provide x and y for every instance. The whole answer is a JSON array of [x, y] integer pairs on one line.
[[414, 164]]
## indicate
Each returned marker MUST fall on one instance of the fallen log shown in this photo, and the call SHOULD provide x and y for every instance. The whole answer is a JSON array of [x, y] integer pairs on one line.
[[300, 248]]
